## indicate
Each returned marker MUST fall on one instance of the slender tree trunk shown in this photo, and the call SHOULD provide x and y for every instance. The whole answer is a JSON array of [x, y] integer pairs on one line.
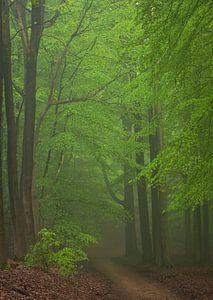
[[166, 261], [205, 232], [188, 234], [156, 224], [144, 221], [159, 200], [35, 206], [16, 205], [2, 232], [197, 235], [130, 230], [39, 123], [143, 208], [163, 199]]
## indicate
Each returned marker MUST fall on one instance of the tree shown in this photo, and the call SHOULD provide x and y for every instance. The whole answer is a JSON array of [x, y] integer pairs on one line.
[[188, 234], [16, 204], [179, 70], [143, 201], [78, 76], [31, 49], [2, 231], [159, 199]]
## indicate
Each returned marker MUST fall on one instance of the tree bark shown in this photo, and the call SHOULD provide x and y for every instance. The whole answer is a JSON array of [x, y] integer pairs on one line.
[[188, 234], [130, 230], [143, 208], [197, 235], [156, 224], [205, 232], [159, 199], [2, 232], [28, 145], [16, 205], [31, 55]]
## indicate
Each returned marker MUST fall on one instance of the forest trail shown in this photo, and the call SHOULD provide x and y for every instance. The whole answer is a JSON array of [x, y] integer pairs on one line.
[[132, 285]]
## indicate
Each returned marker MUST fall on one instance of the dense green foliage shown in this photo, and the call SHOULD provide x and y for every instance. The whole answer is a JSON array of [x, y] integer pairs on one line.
[[102, 65], [180, 74]]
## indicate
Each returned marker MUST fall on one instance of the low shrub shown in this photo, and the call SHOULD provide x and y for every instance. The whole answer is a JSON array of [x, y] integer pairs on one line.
[[61, 248]]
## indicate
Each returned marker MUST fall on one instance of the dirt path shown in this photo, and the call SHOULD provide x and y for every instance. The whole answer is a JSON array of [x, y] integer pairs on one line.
[[132, 285]]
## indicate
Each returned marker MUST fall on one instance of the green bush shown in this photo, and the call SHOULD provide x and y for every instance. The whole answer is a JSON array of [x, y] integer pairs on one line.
[[61, 249]]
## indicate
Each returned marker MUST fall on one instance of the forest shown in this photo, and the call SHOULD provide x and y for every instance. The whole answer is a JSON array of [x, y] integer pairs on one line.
[[106, 149]]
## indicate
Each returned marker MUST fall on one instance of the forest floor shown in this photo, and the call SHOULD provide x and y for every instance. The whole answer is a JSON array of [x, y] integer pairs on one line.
[[139, 282], [33, 284], [108, 280]]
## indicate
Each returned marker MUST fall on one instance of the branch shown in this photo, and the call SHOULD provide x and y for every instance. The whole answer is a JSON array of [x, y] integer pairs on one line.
[[108, 184], [90, 95], [20, 30], [19, 113], [69, 101], [19, 90], [52, 20], [21, 14]]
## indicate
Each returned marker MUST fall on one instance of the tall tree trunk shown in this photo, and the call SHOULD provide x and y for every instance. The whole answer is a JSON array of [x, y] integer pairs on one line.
[[197, 235], [143, 208], [163, 198], [159, 200], [35, 205], [27, 176], [16, 205], [28, 144], [156, 224], [2, 232], [130, 230], [166, 261], [188, 234], [144, 221]]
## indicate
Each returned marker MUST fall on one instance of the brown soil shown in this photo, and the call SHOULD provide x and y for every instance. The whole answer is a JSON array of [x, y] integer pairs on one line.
[[188, 282], [145, 283], [110, 280], [132, 284], [34, 284]]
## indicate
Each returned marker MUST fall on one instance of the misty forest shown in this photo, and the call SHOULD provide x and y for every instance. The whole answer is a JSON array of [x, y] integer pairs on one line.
[[106, 149]]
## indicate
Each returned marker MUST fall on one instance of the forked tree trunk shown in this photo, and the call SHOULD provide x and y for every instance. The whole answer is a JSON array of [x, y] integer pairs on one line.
[[31, 49], [2, 232], [16, 205]]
